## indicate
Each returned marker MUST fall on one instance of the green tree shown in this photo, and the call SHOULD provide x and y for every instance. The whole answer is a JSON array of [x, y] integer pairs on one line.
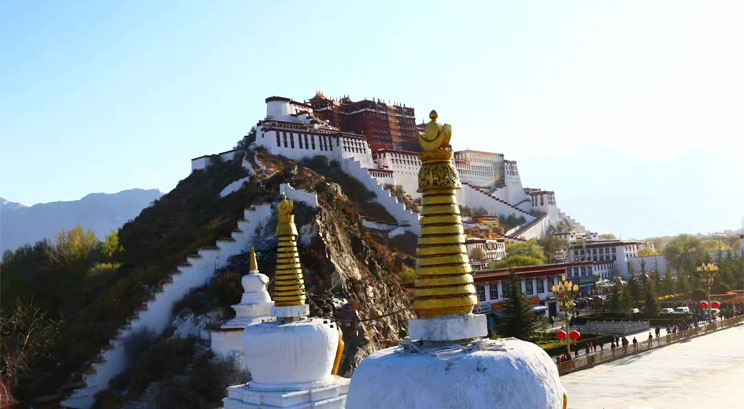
[[614, 304], [656, 279], [74, 246], [477, 254], [651, 300], [553, 247], [647, 252], [683, 286], [518, 261], [684, 252], [526, 248], [607, 236], [625, 301], [110, 248], [668, 283], [518, 320], [635, 289]]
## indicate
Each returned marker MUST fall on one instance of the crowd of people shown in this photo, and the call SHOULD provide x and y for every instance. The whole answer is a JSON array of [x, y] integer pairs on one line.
[[696, 318]]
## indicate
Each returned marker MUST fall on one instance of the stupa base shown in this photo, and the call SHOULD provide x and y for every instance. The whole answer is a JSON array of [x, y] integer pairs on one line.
[[331, 396], [504, 374], [448, 328]]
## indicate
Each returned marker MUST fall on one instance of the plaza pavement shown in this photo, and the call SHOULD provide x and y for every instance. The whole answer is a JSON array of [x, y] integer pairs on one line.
[[703, 372]]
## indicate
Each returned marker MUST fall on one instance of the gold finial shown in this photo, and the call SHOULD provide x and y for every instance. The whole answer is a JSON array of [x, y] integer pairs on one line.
[[254, 264], [444, 284], [289, 285], [436, 135], [285, 208]]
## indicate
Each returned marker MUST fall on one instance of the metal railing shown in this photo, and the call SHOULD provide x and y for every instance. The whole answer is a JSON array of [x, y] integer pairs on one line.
[[588, 361]]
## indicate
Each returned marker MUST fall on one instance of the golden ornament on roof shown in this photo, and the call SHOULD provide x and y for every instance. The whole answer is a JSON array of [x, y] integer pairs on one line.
[[254, 264]]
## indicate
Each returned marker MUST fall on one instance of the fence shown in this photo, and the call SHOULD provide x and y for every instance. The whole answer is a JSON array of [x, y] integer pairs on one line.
[[588, 361]]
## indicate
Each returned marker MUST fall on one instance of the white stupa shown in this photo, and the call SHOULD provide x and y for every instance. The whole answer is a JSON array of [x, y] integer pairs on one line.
[[255, 306], [448, 362], [293, 360]]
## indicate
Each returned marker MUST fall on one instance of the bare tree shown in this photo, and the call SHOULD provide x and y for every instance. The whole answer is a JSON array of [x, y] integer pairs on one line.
[[25, 333]]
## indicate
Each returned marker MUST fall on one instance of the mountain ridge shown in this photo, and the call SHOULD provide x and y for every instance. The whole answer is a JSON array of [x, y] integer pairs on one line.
[[99, 212]]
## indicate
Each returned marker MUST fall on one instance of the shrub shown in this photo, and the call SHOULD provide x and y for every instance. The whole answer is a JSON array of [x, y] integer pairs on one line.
[[721, 288], [699, 294]]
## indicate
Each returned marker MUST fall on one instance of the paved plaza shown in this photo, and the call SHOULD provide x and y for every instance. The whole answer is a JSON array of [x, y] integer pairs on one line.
[[704, 372]]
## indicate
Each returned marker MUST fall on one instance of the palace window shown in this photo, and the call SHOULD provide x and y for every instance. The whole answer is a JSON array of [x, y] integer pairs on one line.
[[540, 285], [312, 139], [278, 141], [284, 136], [481, 290], [299, 140], [494, 290], [291, 140], [528, 288]]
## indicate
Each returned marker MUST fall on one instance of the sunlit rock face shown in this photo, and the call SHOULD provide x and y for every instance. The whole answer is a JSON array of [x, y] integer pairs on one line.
[[504, 374]]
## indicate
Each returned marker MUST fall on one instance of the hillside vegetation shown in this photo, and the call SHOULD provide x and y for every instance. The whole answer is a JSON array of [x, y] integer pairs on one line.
[[351, 273]]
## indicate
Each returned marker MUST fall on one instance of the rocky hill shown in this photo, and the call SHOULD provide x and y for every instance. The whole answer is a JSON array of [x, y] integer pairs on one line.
[[353, 274], [99, 212]]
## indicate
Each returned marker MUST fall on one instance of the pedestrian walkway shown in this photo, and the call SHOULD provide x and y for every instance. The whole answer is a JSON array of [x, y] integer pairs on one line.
[[700, 372]]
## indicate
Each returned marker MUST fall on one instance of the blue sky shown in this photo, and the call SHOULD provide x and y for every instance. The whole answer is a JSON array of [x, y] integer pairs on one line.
[[631, 111]]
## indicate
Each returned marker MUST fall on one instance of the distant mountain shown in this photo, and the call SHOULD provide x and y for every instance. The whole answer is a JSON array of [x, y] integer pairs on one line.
[[99, 212]]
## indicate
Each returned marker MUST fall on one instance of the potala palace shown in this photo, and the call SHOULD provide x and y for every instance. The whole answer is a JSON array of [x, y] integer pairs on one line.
[[367, 138]]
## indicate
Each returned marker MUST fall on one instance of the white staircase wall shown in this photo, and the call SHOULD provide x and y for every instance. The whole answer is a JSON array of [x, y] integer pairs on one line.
[[405, 218], [475, 198], [157, 315]]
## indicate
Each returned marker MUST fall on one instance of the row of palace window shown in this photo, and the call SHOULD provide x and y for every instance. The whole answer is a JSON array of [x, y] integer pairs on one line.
[[530, 288], [324, 142]]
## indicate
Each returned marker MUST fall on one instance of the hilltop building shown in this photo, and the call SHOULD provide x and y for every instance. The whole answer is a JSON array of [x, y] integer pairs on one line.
[[377, 148], [384, 126], [481, 169]]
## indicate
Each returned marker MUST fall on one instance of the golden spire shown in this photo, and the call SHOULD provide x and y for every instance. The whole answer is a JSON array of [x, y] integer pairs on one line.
[[444, 284], [254, 264], [289, 286]]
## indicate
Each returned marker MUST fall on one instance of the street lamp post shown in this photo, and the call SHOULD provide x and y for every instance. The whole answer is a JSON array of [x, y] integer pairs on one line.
[[707, 273], [565, 292]]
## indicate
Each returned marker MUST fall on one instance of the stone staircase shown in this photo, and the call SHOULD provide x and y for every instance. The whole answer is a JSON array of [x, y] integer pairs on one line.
[[155, 314], [406, 219], [573, 223], [476, 197]]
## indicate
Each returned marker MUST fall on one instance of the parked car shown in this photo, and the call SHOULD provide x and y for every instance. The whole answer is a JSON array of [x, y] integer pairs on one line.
[[682, 310], [634, 311], [667, 310]]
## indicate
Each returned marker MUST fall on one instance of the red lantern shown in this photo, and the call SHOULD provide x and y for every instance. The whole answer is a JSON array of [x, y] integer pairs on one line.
[[574, 335], [561, 335], [703, 305], [715, 304]]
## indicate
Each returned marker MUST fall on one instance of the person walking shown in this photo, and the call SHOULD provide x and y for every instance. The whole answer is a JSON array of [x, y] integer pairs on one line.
[[658, 332], [635, 344], [650, 338]]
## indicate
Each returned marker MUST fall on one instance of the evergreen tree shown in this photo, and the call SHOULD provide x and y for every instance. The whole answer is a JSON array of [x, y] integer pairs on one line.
[[518, 319], [614, 304], [625, 302], [668, 283], [683, 287], [651, 301], [656, 280], [634, 289]]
